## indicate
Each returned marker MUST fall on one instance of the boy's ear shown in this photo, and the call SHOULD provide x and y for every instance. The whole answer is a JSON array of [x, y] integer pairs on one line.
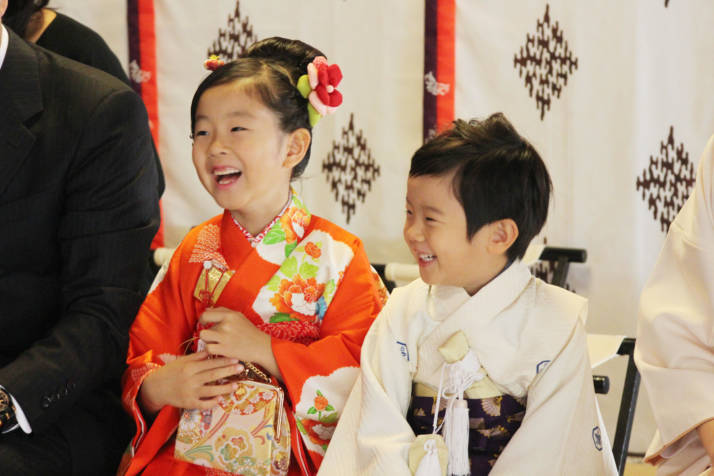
[[298, 143], [504, 233]]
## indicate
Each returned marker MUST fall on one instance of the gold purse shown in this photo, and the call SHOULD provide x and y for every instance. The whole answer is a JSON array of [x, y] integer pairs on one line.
[[246, 433]]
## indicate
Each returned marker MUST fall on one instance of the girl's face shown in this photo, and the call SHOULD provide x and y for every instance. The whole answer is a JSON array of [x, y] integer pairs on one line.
[[240, 153]]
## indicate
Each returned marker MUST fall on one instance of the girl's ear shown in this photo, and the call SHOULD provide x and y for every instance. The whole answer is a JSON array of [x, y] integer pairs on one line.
[[298, 143], [504, 233]]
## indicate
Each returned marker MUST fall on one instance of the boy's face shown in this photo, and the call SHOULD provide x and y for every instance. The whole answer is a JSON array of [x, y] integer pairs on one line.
[[435, 231]]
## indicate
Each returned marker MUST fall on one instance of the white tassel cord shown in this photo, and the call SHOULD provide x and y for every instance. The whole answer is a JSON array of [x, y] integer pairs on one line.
[[462, 375], [429, 464], [456, 435]]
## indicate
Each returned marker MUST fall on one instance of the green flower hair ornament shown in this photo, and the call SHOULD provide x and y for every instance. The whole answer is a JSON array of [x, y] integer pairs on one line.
[[318, 86]]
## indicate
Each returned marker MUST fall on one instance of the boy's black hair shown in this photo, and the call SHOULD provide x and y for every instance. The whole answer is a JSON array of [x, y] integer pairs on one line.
[[271, 69], [498, 175]]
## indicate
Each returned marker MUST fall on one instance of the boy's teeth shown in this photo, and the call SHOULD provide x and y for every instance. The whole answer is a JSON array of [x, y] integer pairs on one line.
[[426, 257]]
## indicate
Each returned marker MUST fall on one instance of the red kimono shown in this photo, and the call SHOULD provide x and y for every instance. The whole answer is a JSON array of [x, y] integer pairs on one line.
[[306, 282]]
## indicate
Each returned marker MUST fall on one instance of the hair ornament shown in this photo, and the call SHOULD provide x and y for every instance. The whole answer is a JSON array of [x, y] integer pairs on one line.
[[213, 63], [318, 86]]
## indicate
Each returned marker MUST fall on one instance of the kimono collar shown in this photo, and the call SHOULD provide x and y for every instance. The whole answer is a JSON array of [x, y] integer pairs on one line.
[[499, 292], [293, 219]]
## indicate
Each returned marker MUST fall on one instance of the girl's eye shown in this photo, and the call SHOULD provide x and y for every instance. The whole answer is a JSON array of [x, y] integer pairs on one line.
[[237, 129], [430, 219], [201, 133], [409, 212]]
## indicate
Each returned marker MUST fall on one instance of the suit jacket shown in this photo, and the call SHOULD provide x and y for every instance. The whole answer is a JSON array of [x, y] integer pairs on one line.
[[79, 190]]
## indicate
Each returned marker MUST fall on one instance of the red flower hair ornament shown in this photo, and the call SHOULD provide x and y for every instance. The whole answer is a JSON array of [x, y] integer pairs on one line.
[[319, 87], [213, 63]]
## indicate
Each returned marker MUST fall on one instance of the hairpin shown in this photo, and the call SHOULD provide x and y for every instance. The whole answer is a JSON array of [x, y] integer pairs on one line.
[[318, 86], [213, 63]]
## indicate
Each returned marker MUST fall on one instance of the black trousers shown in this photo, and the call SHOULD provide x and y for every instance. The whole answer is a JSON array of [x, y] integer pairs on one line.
[[97, 443], [38, 454]]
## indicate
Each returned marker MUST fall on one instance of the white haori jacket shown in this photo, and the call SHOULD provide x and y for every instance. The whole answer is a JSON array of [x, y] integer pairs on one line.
[[530, 339], [675, 332]]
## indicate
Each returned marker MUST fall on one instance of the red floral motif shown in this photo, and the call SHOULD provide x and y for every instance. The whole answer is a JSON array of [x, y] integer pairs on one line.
[[310, 289], [213, 63], [320, 403], [328, 78], [295, 331], [312, 249], [293, 215], [381, 289], [309, 424]]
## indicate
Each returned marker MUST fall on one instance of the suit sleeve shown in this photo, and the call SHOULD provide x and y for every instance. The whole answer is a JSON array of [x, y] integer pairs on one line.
[[110, 214]]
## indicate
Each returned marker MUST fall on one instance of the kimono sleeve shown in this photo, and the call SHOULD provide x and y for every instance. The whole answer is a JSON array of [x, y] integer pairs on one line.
[[373, 436], [562, 432], [157, 335], [319, 376], [675, 328]]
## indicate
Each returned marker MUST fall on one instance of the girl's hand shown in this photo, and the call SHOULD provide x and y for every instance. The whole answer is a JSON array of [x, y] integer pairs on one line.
[[187, 383], [233, 335]]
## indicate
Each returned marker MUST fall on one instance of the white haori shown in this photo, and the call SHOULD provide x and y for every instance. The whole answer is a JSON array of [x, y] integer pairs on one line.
[[528, 336], [675, 332]]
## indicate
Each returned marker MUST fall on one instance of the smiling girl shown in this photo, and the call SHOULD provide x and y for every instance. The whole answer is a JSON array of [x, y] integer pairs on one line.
[[266, 282]]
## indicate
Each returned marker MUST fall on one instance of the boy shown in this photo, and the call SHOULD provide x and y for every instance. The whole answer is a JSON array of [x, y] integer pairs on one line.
[[477, 328]]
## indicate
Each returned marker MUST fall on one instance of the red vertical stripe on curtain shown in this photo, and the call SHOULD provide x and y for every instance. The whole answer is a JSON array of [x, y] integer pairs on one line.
[[147, 49], [445, 59], [142, 70]]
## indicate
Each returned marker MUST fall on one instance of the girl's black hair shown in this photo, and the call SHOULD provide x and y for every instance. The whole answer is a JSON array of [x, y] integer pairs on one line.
[[271, 68], [498, 175]]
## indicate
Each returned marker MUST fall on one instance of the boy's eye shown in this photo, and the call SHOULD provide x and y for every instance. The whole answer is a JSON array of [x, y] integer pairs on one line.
[[409, 212], [430, 219], [201, 133], [237, 129]]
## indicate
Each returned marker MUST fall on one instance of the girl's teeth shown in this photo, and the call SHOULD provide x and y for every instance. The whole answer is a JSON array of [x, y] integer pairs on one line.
[[227, 172], [427, 257]]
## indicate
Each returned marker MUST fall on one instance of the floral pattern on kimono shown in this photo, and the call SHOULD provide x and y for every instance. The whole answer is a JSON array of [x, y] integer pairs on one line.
[[307, 283]]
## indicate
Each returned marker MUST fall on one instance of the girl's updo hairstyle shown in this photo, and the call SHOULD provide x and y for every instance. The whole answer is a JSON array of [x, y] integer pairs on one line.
[[270, 69]]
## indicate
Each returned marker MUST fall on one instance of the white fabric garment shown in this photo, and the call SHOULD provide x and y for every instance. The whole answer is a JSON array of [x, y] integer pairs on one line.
[[530, 339], [675, 348], [4, 39]]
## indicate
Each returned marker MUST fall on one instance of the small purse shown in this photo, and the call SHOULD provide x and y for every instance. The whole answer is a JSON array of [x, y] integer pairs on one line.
[[246, 433]]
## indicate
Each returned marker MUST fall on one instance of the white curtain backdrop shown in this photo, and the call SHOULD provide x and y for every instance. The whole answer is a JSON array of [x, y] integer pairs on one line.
[[635, 82], [632, 71]]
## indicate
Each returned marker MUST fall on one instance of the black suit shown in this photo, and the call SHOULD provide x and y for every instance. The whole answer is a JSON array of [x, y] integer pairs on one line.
[[79, 189]]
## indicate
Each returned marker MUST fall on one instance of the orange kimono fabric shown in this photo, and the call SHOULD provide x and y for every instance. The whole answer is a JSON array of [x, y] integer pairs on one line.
[[307, 283]]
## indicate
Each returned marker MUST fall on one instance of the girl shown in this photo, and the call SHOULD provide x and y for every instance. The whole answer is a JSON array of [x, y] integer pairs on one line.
[[265, 283]]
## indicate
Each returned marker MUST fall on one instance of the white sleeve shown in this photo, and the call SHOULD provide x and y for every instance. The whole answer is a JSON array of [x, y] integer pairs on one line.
[[373, 436], [19, 416], [561, 432], [675, 327]]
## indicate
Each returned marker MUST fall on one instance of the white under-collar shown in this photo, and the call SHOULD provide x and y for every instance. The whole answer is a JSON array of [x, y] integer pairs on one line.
[[4, 40]]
